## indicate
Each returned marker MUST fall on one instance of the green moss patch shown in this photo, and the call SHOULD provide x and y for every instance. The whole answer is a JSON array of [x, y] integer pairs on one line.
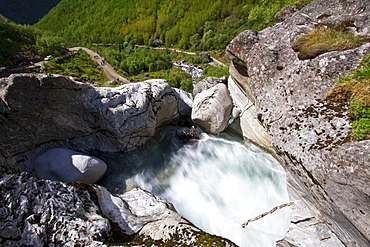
[[327, 37], [354, 90]]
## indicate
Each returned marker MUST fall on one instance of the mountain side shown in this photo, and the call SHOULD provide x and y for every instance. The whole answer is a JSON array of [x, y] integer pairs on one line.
[[26, 11], [200, 25]]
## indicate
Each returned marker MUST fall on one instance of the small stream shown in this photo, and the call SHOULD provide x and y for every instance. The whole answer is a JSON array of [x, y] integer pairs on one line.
[[217, 182], [194, 71]]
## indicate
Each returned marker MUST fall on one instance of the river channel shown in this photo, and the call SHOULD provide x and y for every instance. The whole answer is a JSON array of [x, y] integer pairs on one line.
[[217, 182]]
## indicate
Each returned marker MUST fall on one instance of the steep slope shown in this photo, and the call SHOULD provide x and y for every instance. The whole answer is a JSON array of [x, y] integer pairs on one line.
[[12, 38], [201, 25], [26, 11]]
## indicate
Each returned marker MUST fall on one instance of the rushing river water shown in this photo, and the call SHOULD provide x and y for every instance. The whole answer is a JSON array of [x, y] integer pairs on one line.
[[216, 182], [193, 70]]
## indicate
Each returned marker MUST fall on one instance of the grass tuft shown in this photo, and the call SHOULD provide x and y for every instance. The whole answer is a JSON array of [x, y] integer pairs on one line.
[[326, 38]]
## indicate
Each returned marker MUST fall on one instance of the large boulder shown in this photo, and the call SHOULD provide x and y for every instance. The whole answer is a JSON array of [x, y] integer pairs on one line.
[[212, 108], [307, 131], [66, 165], [41, 112]]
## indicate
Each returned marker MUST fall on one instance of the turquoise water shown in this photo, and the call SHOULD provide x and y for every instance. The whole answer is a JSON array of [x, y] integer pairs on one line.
[[217, 182]]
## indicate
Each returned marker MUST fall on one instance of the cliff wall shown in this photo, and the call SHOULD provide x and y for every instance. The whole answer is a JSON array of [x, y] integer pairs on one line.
[[283, 106]]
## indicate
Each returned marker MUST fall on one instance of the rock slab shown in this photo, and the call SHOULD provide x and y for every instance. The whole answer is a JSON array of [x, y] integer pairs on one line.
[[41, 112]]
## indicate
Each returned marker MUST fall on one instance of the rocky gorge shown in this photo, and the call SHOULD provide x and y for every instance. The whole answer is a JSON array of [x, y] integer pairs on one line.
[[275, 100]]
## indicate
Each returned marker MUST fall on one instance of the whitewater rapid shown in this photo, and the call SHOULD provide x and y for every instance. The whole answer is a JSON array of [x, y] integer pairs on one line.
[[216, 182]]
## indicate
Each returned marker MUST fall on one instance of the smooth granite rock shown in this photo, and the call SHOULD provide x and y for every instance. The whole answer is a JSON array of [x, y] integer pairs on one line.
[[212, 108], [66, 165]]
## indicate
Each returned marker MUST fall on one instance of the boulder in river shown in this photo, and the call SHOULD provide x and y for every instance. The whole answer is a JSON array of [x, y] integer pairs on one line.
[[212, 108]]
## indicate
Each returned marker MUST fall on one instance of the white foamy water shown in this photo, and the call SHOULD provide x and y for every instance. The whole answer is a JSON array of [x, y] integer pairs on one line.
[[215, 183]]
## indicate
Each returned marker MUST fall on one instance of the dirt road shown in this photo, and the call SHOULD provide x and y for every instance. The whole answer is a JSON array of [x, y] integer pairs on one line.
[[109, 71]]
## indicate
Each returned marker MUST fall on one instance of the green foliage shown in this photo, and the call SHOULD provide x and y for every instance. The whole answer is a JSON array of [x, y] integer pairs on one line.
[[326, 38], [198, 60], [22, 42], [215, 71], [192, 24], [354, 90], [50, 45], [78, 65], [135, 60], [361, 124], [14, 37]]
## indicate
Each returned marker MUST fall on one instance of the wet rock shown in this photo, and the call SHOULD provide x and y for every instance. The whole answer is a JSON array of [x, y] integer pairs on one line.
[[212, 108], [66, 165], [8, 164], [245, 118]]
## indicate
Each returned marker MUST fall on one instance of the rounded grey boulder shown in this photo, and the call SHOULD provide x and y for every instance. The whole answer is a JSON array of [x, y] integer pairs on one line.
[[212, 108], [66, 165]]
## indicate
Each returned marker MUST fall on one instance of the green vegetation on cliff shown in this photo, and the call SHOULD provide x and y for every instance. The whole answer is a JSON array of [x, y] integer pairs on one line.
[[354, 90], [327, 37], [13, 37], [198, 25]]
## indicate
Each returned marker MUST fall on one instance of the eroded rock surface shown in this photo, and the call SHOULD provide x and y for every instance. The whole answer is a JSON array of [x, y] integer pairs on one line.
[[309, 133], [40, 112], [37, 212]]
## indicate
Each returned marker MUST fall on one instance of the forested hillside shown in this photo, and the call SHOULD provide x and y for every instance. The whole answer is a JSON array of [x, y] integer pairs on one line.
[[19, 44], [26, 11], [188, 24]]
